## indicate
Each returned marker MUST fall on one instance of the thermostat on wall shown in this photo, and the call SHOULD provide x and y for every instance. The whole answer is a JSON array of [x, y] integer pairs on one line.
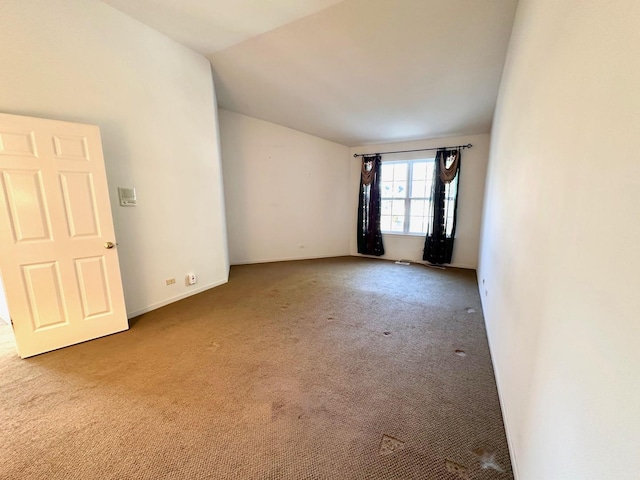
[[127, 196]]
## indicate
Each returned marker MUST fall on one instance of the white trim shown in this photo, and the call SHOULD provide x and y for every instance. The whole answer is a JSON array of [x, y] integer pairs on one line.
[[398, 234], [409, 197], [155, 306], [505, 419], [460, 265], [417, 262], [288, 259]]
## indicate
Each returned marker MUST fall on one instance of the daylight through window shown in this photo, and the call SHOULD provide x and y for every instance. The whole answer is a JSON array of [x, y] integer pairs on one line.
[[406, 196]]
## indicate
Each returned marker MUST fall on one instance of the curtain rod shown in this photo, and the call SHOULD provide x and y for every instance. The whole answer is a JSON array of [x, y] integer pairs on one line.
[[468, 145]]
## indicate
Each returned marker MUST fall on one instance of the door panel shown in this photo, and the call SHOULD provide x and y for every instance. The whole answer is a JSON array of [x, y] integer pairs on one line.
[[80, 204], [94, 287], [73, 148], [43, 287], [17, 143], [27, 212], [62, 285]]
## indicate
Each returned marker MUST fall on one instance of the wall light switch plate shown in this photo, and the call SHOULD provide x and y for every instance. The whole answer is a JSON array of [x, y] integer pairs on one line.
[[127, 196]]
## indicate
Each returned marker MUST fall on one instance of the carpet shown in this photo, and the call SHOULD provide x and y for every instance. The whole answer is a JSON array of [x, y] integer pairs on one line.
[[340, 368]]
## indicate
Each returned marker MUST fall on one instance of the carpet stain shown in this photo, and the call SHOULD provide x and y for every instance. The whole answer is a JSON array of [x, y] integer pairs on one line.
[[488, 459], [460, 470], [277, 409], [390, 445], [228, 384]]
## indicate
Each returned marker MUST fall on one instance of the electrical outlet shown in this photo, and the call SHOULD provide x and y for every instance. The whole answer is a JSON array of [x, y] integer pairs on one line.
[[170, 281], [191, 279]]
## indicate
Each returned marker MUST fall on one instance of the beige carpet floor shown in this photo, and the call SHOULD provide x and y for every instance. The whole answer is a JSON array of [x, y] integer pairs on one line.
[[342, 368]]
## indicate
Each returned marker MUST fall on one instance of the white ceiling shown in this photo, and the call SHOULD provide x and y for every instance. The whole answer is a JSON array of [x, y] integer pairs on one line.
[[352, 71]]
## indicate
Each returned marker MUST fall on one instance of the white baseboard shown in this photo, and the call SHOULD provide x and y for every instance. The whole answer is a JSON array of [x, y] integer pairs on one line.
[[290, 259], [462, 265], [287, 259], [419, 262], [505, 418], [140, 311]]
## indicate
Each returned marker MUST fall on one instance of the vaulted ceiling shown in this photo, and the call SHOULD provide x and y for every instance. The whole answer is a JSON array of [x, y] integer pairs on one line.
[[351, 71]]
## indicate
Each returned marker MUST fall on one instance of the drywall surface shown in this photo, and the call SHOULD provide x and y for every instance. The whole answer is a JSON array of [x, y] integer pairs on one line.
[[559, 256], [286, 192], [83, 61], [470, 196]]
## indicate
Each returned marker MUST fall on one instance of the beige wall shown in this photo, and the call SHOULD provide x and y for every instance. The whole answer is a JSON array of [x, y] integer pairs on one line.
[[286, 192], [472, 178], [82, 61], [559, 258]]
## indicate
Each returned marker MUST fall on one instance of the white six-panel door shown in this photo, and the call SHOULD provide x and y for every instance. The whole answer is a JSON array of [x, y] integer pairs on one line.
[[58, 258]]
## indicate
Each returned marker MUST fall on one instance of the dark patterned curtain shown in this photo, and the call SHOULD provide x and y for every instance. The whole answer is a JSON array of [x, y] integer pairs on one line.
[[441, 231], [369, 234]]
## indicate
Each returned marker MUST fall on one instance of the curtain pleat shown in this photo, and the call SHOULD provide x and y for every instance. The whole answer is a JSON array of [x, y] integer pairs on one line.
[[369, 208]]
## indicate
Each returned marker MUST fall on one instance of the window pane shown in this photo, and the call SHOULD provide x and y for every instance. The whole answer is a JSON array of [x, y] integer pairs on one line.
[[419, 188], [400, 189], [448, 207], [398, 207], [430, 167], [397, 224], [385, 189], [451, 189], [418, 208], [413, 214], [417, 221], [397, 220], [417, 225], [450, 192], [394, 180], [420, 171], [400, 171], [385, 223]]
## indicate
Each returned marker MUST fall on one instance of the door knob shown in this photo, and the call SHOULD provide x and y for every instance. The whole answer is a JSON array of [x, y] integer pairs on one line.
[[108, 245]]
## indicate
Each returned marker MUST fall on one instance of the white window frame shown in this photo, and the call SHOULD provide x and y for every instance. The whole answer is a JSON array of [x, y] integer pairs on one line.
[[409, 198]]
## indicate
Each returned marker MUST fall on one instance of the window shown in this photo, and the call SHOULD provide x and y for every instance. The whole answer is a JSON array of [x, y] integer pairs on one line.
[[406, 197]]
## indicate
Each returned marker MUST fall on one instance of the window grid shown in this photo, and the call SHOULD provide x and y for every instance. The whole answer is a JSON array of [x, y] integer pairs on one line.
[[400, 183]]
